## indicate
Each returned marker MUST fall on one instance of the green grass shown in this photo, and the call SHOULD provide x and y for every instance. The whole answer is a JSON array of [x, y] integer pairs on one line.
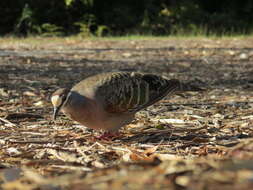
[[39, 40], [184, 36]]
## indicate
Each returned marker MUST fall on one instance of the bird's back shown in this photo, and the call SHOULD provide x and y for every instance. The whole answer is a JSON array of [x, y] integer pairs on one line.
[[126, 92]]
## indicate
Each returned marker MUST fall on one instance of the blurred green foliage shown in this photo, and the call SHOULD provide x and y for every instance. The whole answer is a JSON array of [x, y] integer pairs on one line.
[[121, 17]]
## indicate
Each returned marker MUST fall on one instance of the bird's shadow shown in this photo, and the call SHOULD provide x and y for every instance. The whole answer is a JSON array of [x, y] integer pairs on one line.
[[159, 136], [188, 138]]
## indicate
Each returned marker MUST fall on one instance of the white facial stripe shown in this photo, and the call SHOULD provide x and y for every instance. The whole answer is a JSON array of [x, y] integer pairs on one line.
[[56, 100], [69, 94]]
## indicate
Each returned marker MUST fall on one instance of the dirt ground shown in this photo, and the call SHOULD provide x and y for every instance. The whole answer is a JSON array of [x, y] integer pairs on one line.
[[194, 141]]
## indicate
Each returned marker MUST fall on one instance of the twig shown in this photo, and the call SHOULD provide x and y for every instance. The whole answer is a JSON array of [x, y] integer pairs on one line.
[[45, 141], [75, 168], [172, 130], [189, 104], [6, 121], [171, 135], [202, 104]]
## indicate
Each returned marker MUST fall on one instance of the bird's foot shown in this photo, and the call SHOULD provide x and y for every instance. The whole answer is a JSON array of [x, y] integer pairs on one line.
[[108, 136]]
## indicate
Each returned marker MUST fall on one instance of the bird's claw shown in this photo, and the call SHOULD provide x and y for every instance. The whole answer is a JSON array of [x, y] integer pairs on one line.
[[108, 136]]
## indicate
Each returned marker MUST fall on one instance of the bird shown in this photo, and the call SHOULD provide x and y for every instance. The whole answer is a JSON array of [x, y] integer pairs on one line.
[[109, 101]]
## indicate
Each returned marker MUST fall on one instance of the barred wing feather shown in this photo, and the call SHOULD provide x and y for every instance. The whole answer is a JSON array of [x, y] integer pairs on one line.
[[131, 92]]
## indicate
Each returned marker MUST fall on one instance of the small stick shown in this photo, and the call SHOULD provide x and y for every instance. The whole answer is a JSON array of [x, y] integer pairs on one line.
[[6, 121]]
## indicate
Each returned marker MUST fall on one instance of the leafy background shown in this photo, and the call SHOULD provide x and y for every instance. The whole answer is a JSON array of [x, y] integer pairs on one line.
[[119, 17]]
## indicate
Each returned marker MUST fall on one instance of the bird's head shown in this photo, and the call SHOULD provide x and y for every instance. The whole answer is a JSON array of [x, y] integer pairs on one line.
[[58, 99]]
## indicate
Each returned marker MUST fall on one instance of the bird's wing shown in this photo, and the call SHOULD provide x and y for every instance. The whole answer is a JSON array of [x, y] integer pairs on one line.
[[131, 92]]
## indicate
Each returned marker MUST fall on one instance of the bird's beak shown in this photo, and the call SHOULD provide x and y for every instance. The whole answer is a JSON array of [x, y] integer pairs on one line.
[[56, 111]]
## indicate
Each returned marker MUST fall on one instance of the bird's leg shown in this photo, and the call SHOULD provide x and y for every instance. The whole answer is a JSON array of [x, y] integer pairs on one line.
[[108, 135]]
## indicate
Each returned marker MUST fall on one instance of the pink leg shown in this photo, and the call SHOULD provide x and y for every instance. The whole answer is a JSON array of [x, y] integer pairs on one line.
[[108, 136]]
